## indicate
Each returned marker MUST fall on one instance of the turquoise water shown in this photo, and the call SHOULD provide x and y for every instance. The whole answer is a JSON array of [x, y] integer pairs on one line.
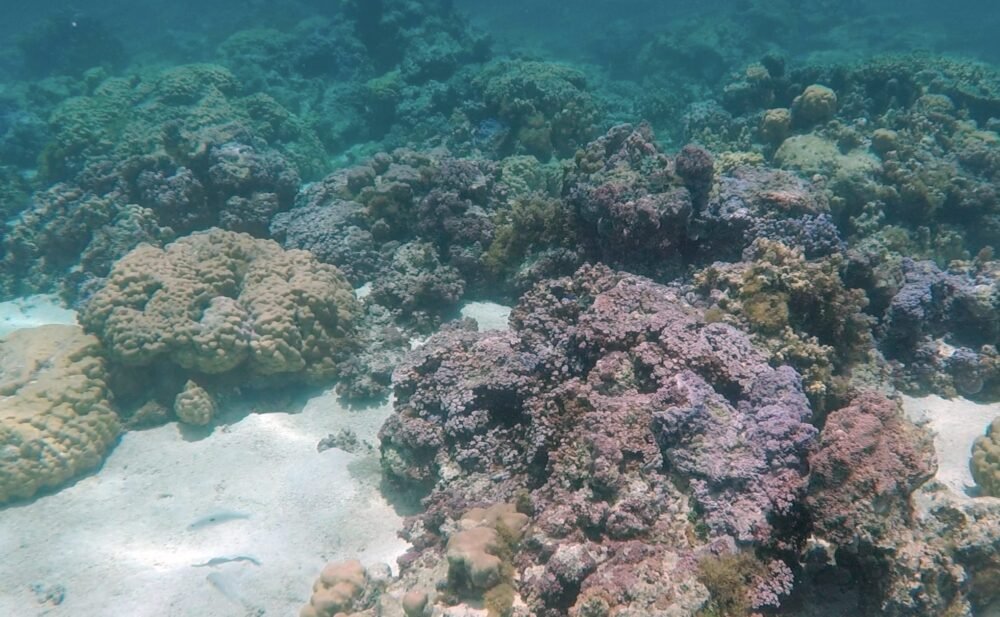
[[604, 308]]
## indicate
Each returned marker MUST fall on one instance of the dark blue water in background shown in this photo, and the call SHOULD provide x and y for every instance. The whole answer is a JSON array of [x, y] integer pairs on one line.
[[598, 31]]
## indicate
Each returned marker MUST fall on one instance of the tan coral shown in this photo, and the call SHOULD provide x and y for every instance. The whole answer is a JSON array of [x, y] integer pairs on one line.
[[339, 586], [501, 515], [474, 551], [776, 125], [816, 104], [56, 421], [985, 462], [194, 405], [800, 310], [471, 559], [217, 301]]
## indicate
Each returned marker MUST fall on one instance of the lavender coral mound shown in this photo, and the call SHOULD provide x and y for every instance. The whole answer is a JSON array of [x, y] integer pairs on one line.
[[608, 395], [218, 301], [745, 461], [625, 190], [645, 211], [943, 327]]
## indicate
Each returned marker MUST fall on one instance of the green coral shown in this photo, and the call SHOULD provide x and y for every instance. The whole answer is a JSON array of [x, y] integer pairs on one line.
[[547, 106], [532, 223], [179, 110], [728, 579]]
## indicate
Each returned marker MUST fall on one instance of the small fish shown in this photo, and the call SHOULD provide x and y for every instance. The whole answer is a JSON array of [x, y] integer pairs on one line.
[[216, 561], [217, 518]]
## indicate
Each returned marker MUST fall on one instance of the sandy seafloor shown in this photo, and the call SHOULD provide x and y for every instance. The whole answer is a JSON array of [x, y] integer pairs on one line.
[[119, 541]]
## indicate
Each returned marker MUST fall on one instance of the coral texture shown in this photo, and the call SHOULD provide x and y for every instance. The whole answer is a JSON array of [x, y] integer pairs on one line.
[[868, 461], [605, 383], [985, 462], [216, 302], [57, 421]]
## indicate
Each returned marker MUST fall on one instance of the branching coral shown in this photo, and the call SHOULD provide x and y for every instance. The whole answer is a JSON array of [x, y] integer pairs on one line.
[[798, 309]]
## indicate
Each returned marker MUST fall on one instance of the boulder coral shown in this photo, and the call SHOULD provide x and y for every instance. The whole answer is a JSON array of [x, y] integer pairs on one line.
[[815, 105], [57, 421], [194, 405], [342, 588], [219, 302], [985, 462]]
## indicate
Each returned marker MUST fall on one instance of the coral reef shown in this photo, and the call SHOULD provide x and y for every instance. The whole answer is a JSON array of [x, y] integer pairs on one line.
[[797, 309], [583, 412], [868, 460], [942, 328], [217, 303], [545, 108], [913, 551], [635, 208], [693, 411], [57, 421], [149, 158]]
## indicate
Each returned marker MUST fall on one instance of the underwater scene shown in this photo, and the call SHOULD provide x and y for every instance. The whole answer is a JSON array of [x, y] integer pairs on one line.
[[455, 308]]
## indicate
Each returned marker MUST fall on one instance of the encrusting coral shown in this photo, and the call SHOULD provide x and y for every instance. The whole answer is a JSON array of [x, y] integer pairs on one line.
[[606, 381], [56, 420]]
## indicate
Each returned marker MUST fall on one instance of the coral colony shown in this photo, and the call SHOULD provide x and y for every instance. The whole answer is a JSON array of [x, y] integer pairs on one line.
[[721, 282]]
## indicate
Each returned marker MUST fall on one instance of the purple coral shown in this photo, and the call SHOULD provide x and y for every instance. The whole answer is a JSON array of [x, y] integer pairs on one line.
[[943, 327], [607, 388], [742, 469]]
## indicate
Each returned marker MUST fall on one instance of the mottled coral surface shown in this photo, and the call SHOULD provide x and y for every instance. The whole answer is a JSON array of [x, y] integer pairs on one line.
[[629, 421]]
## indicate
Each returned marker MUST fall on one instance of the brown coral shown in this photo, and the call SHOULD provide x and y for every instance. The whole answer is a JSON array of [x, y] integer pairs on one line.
[[816, 104], [799, 309], [218, 301], [986, 460], [56, 421]]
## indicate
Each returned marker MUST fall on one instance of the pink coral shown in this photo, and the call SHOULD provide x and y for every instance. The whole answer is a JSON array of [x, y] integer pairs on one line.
[[868, 461]]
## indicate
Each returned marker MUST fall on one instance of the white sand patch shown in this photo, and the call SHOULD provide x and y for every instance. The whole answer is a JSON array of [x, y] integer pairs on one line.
[[956, 424], [489, 315], [33, 311], [120, 542]]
